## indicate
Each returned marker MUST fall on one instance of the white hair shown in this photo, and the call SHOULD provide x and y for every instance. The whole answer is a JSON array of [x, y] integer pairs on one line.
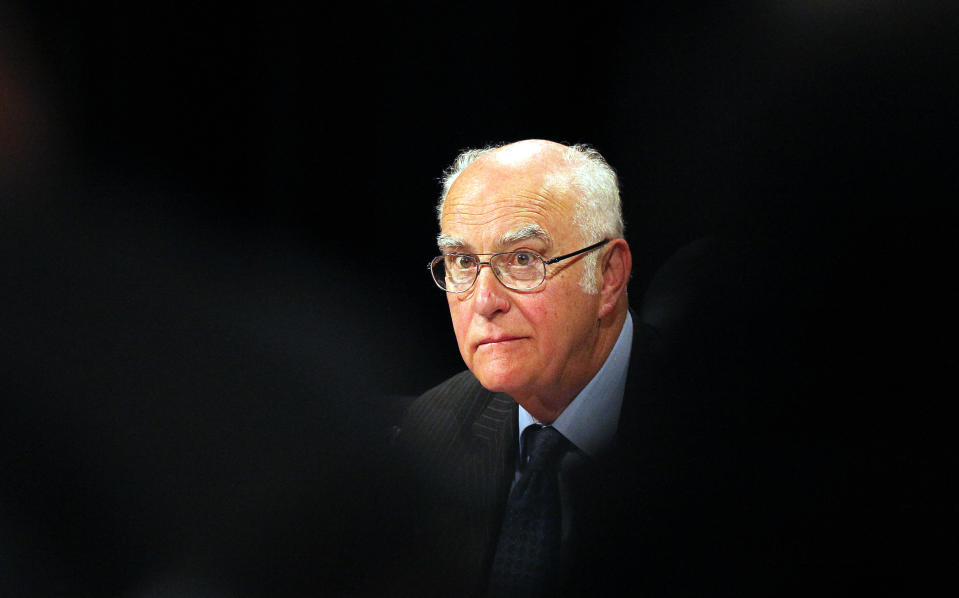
[[462, 161], [598, 213]]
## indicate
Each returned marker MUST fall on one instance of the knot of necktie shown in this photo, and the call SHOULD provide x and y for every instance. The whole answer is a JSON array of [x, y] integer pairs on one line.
[[543, 446]]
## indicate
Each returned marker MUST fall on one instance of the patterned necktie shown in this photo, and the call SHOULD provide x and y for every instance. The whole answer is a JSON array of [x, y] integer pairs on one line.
[[528, 552]]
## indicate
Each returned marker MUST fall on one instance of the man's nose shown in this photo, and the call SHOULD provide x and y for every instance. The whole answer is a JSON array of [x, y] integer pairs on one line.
[[490, 296]]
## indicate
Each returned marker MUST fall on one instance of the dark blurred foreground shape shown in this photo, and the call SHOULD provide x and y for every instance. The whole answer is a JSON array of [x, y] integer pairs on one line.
[[178, 409]]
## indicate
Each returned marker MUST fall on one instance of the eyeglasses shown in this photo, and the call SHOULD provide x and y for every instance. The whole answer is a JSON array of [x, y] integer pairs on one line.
[[517, 270]]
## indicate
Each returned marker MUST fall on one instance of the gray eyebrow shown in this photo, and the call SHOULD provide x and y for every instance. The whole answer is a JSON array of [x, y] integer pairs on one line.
[[530, 231], [449, 243]]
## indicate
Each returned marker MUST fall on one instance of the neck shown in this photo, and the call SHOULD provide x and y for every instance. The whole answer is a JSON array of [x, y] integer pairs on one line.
[[549, 406]]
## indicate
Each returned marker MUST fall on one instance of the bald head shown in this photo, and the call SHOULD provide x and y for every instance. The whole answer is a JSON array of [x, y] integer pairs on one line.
[[577, 173], [526, 152], [530, 154]]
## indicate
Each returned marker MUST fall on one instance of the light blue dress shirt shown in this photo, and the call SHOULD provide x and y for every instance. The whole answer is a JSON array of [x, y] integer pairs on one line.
[[590, 421]]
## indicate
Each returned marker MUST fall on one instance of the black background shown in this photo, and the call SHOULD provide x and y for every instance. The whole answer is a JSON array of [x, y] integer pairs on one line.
[[216, 220]]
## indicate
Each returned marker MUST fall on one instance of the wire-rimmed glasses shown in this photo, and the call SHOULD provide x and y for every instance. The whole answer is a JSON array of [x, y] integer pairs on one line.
[[517, 270]]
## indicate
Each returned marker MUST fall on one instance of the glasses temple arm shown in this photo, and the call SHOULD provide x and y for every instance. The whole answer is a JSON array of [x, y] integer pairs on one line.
[[575, 253]]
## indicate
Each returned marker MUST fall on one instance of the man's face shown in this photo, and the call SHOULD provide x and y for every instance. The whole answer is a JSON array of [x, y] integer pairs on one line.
[[533, 344]]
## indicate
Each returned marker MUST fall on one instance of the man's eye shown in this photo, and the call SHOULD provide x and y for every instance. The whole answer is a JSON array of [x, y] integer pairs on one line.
[[523, 259], [463, 262]]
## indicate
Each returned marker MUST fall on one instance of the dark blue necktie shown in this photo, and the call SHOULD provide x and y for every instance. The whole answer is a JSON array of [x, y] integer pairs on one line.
[[528, 553]]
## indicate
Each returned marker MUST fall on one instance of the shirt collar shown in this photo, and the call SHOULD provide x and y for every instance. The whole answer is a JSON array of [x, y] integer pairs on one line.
[[590, 421]]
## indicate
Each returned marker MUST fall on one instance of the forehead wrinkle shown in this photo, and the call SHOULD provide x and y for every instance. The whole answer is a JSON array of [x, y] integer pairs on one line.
[[498, 205], [484, 211]]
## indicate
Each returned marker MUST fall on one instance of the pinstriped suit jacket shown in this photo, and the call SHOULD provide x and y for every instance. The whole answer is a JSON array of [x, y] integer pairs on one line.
[[678, 507], [458, 442]]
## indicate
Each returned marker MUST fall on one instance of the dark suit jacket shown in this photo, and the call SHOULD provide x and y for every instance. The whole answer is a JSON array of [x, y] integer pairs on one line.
[[666, 511]]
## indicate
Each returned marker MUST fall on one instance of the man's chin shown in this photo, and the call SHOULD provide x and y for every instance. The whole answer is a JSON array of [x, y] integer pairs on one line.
[[496, 380]]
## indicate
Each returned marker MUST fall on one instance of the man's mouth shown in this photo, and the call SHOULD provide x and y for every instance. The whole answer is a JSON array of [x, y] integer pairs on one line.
[[497, 340]]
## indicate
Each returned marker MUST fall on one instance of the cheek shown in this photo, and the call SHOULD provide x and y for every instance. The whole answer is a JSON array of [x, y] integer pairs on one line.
[[559, 320], [460, 318], [538, 315]]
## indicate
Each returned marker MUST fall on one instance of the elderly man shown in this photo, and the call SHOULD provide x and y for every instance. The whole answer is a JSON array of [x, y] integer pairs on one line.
[[535, 270], [564, 461]]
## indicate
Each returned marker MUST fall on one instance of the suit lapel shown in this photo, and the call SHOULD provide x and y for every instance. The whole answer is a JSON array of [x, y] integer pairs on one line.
[[454, 452], [492, 446], [493, 433]]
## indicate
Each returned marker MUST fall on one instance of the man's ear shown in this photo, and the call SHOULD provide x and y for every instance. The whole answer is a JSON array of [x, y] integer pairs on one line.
[[616, 266]]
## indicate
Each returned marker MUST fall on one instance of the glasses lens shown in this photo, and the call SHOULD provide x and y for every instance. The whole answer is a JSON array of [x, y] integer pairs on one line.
[[520, 270], [454, 272]]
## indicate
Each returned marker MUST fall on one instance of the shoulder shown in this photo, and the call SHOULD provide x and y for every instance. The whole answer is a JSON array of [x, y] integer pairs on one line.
[[452, 393], [455, 438], [441, 411]]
